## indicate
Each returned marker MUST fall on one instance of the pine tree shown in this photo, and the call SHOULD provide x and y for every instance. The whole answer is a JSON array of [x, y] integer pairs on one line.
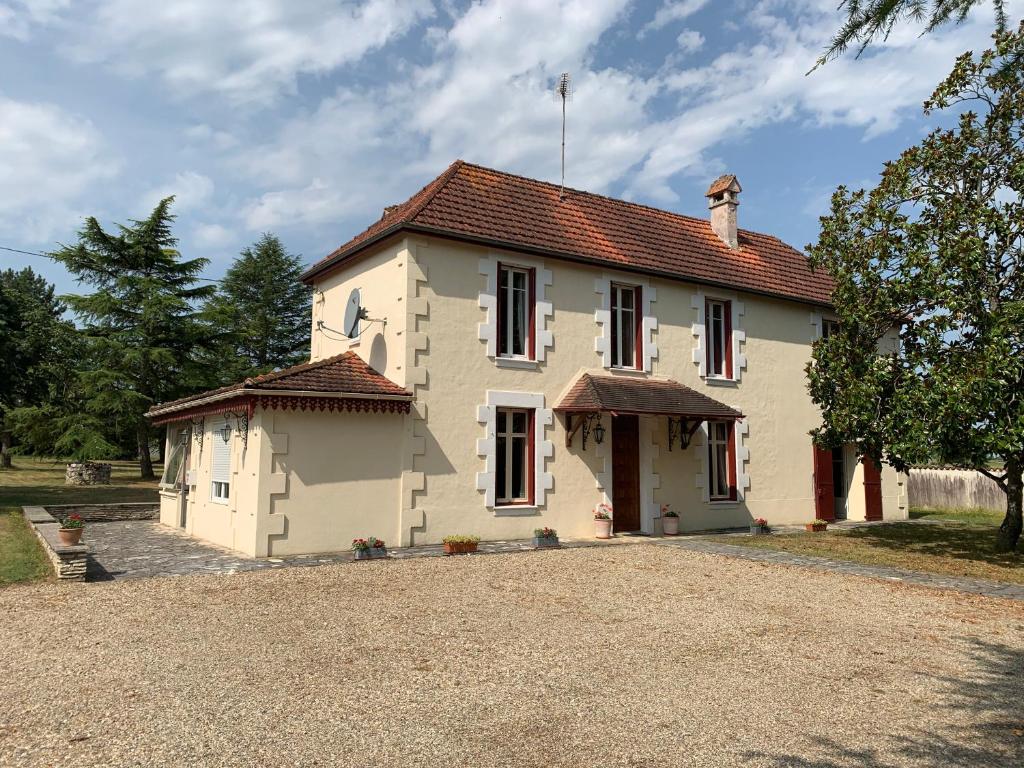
[[34, 341], [141, 320], [261, 314]]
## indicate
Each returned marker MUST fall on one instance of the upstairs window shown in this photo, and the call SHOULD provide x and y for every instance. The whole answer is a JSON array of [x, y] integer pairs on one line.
[[722, 461], [719, 332], [829, 328], [515, 312], [625, 320], [514, 454]]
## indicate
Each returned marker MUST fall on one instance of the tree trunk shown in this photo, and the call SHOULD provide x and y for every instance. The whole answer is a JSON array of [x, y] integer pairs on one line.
[[1009, 531], [5, 450], [145, 462]]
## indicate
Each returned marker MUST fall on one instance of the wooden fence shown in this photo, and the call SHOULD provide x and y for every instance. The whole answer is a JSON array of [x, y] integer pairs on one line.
[[942, 487]]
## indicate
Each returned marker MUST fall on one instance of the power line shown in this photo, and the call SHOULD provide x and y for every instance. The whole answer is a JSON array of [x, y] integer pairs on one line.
[[48, 256]]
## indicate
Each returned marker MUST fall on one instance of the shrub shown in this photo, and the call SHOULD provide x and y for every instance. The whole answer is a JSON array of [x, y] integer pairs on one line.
[[819, 521]]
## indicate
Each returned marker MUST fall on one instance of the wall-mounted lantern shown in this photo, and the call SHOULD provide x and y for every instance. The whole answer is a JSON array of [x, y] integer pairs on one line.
[[225, 432]]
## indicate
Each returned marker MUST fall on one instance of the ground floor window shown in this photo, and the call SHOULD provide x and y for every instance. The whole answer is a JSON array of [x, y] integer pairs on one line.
[[220, 461], [221, 490], [513, 451], [722, 460]]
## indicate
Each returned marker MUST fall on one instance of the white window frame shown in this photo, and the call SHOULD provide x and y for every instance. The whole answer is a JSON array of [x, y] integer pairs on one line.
[[618, 290], [509, 304], [503, 420], [220, 491], [719, 336], [714, 444]]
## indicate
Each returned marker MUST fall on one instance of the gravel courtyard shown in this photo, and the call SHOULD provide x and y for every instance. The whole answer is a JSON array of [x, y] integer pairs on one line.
[[620, 656]]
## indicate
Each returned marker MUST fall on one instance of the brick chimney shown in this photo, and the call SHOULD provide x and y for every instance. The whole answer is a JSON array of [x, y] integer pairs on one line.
[[723, 201]]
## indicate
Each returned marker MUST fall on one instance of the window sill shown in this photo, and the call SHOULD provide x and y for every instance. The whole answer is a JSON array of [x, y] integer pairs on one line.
[[724, 502], [626, 371], [222, 502], [516, 362], [720, 381], [516, 510]]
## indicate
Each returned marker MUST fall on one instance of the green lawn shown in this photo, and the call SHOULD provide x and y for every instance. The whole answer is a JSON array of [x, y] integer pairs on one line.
[[41, 481], [960, 543]]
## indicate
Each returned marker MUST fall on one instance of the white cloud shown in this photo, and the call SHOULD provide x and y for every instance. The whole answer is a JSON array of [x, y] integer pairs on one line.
[[204, 133], [191, 191], [249, 51], [18, 17], [690, 40], [213, 236], [670, 12], [49, 160]]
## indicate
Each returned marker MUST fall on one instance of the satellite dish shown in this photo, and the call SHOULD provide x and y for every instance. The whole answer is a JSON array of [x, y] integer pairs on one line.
[[353, 314]]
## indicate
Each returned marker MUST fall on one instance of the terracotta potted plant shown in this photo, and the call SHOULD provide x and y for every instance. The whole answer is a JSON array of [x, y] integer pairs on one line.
[[669, 521], [816, 526], [545, 538], [759, 526], [70, 531], [458, 545], [603, 521], [370, 548]]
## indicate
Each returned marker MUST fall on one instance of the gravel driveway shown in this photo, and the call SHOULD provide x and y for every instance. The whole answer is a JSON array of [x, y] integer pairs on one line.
[[620, 656]]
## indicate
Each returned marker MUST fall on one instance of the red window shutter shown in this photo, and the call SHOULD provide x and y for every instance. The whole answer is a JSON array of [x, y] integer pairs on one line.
[[872, 489], [501, 312], [531, 334], [531, 453], [824, 487], [732, 461], [708, 339], [727, 320], [638, 316]]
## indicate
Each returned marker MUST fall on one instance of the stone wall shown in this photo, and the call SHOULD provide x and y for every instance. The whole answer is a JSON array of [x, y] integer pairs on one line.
[[107, 513], [69, 563], [87, 473]]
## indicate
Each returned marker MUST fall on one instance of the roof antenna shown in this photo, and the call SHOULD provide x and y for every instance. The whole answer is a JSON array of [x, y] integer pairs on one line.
[[563, 90]]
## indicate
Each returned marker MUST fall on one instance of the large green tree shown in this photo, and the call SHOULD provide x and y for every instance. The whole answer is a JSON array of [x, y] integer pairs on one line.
[[35, 341], [870, 20], [932, 257], [141, 319], [261, 314]]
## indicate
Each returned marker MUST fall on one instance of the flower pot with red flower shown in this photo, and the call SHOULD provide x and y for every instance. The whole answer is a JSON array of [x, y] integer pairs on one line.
[[460, 545], [759, 526], [669, 521], [816, 526], [370, 548], [70, 531], [603, 521], [544, 538]]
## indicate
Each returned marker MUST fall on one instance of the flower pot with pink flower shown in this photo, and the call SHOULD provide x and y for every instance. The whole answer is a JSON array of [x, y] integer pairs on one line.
[[603, 521], [370, 548], [669, 521], [70, 531], [759, 526], [544, 538]]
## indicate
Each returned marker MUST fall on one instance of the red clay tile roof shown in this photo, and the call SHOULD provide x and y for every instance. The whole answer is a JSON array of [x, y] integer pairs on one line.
[[625, 394], [346, 373], [478, 204], [721, 184]]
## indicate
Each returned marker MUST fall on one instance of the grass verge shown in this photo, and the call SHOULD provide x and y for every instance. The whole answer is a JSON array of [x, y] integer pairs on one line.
[[959, 543], [41, 481]]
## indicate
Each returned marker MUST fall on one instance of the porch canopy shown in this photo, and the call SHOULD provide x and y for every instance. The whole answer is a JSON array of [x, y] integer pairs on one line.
[[685, 409], [341, 383]]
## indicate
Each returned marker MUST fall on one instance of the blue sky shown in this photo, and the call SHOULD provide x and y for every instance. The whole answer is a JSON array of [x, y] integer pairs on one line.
[[306, 118]]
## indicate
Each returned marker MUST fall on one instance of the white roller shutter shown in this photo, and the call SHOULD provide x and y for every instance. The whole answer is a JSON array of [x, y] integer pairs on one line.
[[221, 462]]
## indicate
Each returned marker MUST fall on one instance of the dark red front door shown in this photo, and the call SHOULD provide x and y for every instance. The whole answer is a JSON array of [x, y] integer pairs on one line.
[[625, 473], [872, 489], [824, 486]]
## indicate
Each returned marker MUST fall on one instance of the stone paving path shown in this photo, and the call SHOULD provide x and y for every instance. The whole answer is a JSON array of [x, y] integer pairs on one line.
[[935, 580], [143, 549]]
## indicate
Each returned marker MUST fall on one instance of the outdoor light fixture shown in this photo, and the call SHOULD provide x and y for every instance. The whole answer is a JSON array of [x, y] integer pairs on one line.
[[225, 432], [599, 432], [183, 437]]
